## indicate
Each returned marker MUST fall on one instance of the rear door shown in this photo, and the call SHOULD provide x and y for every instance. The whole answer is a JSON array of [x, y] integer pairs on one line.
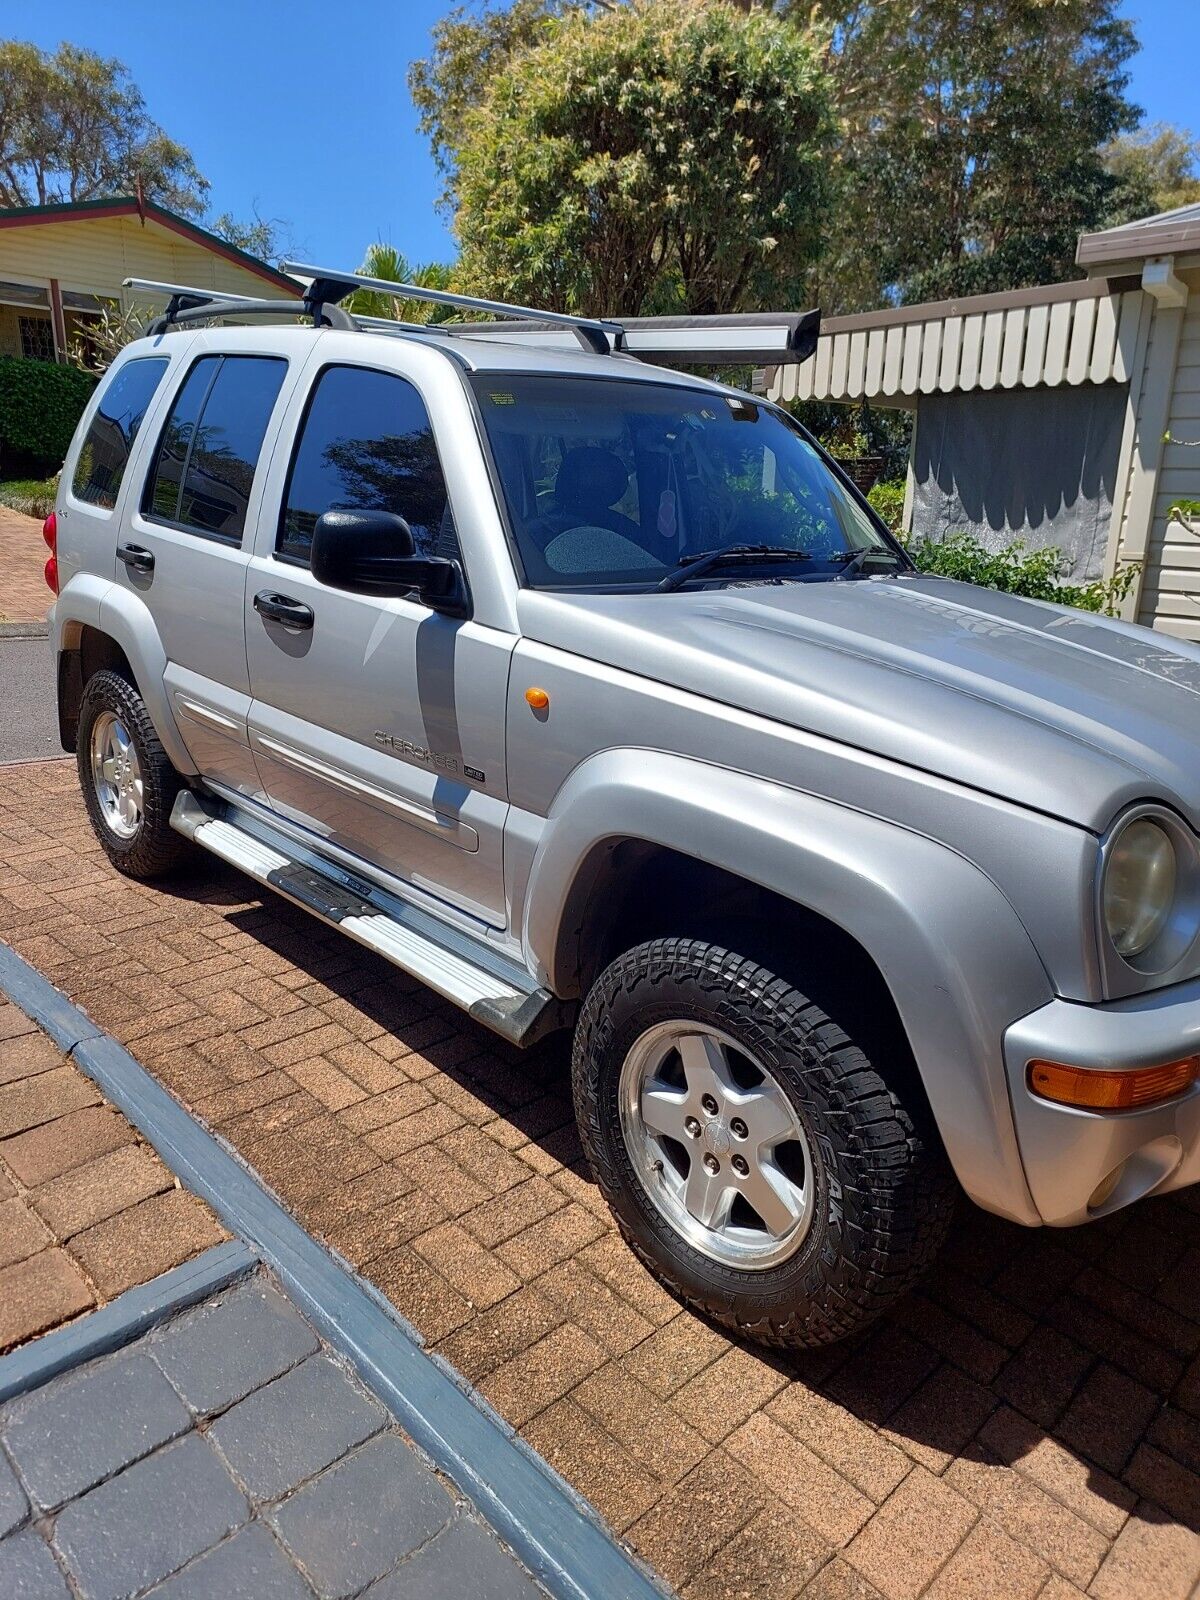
[[184, 546], [379, 724]]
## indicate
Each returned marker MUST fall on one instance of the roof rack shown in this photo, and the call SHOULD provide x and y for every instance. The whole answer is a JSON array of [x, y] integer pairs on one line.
[[594, 333], [188, 304], [780, 338]]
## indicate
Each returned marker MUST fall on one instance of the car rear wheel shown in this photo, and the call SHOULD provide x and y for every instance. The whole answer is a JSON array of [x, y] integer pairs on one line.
[[753, 1156], [129, 785]]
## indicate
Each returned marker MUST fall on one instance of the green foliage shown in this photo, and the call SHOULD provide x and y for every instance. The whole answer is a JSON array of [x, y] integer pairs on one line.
[[263, 237], [1037, 574], [40, 404], [34, 497], [656, 156], [1156, 170], [886, 499], [74, 126], [1184, 511], [385, 261], [970, 158]]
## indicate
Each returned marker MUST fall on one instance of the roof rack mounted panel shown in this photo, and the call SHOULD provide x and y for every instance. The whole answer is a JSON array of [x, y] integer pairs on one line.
[[778, 338]]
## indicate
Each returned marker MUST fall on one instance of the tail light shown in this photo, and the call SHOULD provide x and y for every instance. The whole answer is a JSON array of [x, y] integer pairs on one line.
[[50, 535]]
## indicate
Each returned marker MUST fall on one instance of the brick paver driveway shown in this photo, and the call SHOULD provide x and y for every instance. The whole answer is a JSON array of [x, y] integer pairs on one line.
[[1027, 1425], [24, 596]]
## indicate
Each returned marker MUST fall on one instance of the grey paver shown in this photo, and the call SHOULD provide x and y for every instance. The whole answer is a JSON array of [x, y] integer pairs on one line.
[[149, 1520], [362, 1516], [465, 1562], [250, 1566], [216, 1355], [280, 1435], [14, 1507], [28, 1571], [87, 1425]]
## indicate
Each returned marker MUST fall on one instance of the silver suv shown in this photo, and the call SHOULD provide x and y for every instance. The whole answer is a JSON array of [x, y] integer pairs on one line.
[[594, 696]]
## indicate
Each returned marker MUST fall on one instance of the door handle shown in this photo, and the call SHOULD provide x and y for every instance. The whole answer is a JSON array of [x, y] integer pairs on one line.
[[136, 557], [282, 608]]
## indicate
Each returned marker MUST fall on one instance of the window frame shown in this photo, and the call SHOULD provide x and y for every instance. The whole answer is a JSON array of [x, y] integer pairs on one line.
[[305, 564], [219, 358], [110, 380]]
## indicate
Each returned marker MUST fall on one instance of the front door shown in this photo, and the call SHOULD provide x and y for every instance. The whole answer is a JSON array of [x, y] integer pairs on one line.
[[184, 548], [377, 723]]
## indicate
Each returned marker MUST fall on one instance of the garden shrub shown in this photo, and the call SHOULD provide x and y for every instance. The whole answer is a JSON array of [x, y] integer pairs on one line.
[[40, 404], [886, 499], [1037, 574]]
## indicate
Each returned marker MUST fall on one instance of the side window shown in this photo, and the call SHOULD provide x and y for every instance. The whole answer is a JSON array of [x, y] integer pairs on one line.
[[206, 458], [366, 444], [104, 453]]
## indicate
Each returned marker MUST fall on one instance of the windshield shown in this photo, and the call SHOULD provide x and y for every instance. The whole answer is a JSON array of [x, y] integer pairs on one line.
[[612, 483]]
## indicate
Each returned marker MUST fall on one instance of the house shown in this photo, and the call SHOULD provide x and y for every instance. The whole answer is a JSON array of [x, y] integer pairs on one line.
[[58, 262], [1065, 415]]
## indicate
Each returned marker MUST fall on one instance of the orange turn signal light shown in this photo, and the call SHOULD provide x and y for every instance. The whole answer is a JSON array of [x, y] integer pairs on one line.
[[1112, 1091], [537, 698]]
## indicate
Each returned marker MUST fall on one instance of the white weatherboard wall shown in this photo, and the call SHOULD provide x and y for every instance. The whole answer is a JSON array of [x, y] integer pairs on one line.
[[1166, 469]]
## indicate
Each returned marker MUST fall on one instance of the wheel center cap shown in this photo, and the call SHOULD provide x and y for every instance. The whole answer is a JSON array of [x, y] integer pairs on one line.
[[717, 1136]]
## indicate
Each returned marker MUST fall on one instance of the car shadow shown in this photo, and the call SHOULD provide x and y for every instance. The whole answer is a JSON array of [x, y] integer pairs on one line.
[[1051, 1376]]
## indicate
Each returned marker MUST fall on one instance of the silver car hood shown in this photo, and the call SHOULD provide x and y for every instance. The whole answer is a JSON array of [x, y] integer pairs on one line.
[[1061, 710]]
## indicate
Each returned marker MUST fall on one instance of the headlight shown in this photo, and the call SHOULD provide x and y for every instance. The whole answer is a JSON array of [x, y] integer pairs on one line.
[[1139, 886]]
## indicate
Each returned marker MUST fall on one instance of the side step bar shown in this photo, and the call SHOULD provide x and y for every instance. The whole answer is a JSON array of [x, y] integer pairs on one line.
[[489, 987]]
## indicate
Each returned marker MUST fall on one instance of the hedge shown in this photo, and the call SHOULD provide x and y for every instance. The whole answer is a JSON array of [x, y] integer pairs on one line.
[[40, 403]]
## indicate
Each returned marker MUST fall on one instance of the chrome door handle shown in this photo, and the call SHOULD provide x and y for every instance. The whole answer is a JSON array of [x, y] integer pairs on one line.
[[282, 608], [136, 557]]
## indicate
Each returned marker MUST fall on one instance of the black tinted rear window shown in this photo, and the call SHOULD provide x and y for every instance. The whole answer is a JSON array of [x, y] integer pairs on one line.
[[206, 460], [105, 452]]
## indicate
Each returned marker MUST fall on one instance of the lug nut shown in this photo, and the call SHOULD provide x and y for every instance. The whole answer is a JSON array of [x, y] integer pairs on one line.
[[738, 1128], [709, 1105], [740, 1167], [711, 1164], [692, 1128]]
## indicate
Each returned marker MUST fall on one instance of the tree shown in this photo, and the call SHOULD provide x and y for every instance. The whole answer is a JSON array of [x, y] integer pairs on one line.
[[73, 126], [971, 155], [1156, 170], [664, 155], [468, 50], [263, 237], [385, 261]]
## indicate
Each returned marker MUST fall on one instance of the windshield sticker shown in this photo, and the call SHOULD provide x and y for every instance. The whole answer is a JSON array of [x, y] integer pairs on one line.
[[502, 399]]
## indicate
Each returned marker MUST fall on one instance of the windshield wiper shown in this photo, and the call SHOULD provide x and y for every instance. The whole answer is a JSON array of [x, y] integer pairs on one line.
[[854, 558], [695, 566]]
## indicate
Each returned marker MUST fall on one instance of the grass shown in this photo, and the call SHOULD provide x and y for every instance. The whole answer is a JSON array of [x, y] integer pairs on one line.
[[33, 496]]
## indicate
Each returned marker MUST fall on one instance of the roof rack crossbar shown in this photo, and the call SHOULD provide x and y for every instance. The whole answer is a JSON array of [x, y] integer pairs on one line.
[[594, 333], [188, 304]]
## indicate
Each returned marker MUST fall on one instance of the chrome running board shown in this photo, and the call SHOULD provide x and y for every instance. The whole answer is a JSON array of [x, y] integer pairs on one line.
[[485, 983]]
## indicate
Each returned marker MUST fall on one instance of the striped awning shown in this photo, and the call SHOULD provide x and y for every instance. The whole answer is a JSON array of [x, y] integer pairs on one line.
[[1067, 333]]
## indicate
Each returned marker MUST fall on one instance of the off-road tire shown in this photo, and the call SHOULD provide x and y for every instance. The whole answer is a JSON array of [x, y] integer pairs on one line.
[[155, 849], [885, 1196]]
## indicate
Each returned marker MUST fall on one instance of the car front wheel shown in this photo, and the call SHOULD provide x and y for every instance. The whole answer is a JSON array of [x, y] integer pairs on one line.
[[753, 1156]]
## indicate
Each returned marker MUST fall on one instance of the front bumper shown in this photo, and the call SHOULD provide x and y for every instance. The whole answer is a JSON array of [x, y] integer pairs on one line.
[[1067, 1152]]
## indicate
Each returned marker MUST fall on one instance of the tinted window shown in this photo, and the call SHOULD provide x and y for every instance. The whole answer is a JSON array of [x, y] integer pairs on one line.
[[105, 451], [209, 450], [367, 445], [616, 483]]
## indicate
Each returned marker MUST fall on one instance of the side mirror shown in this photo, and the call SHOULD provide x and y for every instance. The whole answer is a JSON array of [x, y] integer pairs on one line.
[[372, 552]]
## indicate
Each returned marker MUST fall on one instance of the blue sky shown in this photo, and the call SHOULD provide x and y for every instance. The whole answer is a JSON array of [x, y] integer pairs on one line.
[[302, 110]]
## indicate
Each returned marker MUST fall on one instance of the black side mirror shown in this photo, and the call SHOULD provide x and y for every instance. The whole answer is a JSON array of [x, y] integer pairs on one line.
[[372, 552]]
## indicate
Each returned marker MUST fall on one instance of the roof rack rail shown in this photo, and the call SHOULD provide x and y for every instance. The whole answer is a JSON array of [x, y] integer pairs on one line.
[[594, 333], [188, 304]]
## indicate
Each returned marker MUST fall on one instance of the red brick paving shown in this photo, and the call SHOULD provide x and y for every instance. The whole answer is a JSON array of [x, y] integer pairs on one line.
[[24, 596], [86, 1210], [1026, 1425]]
